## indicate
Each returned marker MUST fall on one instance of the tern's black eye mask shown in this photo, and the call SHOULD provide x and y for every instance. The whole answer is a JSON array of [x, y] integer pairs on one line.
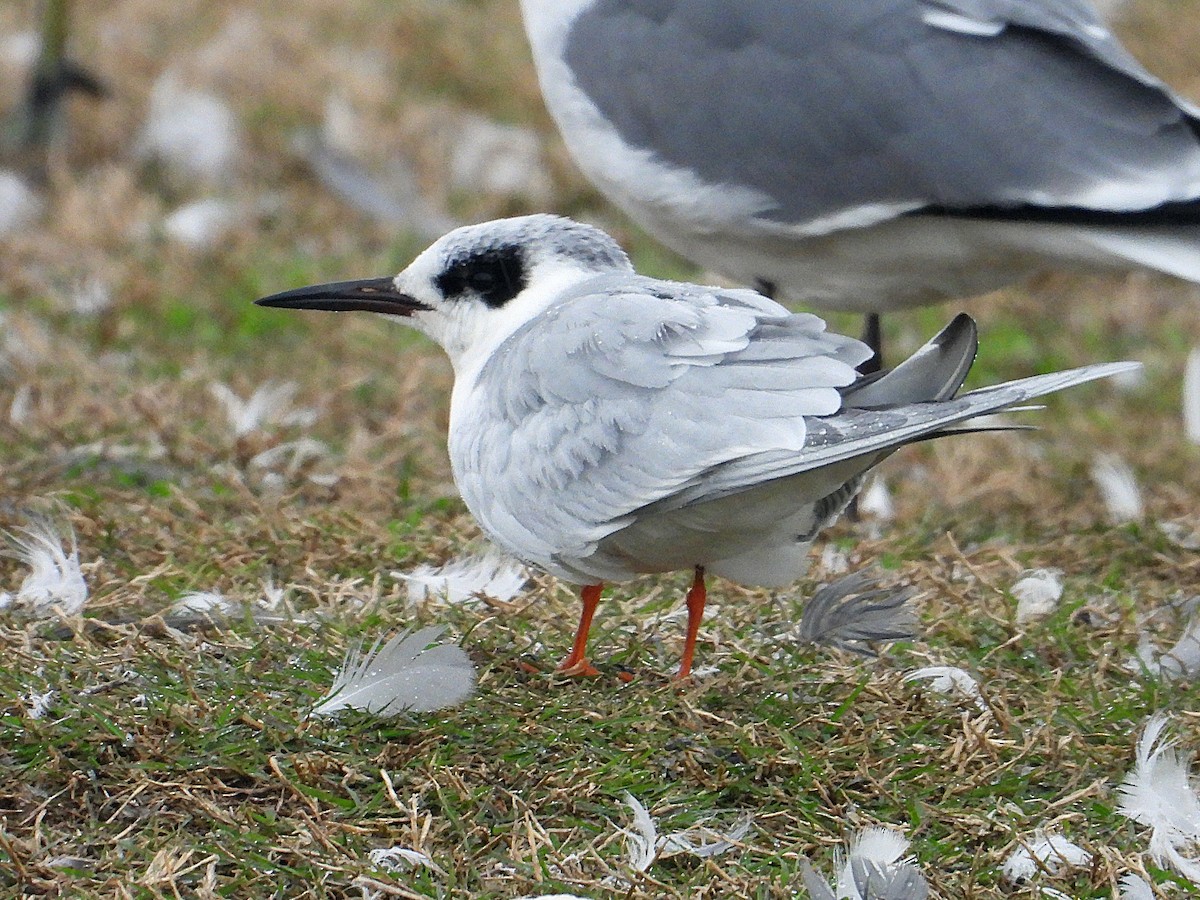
[[495, 275]]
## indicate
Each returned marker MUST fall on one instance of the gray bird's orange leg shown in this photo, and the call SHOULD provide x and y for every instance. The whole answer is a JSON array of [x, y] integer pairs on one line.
[[577, 662], [696, 598]]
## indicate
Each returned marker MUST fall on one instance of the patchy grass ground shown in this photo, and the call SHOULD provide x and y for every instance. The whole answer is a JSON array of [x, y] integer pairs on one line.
[[178, 762]]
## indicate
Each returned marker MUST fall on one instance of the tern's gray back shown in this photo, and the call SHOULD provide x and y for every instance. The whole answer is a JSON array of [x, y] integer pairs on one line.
[[1040, 107]]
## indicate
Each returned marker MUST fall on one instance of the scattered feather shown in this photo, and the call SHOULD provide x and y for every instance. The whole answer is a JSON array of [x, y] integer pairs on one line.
[[91, 297], [22, 403], [641, 842], [20, 49], [1047, 852], [1135, 887], [395, 200], [498, 159], [272, 595], [1183, 533], [400, 859], [876, 500], [410, 672], [1119, 489], [270, 404], [55, 580], [193, 135], [950, 680], [19, 204], [1037, 594], [1191, 396], [39, 704], [853, 611], [703, 841], [1159, 793], [818, 888], [205, 601], [874, 870], [1181, 661], [833, 560], [202, 224], [78, 863], [490, 573], [292, 455], [881, 847]]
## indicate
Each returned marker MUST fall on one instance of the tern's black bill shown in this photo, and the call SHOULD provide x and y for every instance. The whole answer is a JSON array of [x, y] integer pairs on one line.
[[370, 295]]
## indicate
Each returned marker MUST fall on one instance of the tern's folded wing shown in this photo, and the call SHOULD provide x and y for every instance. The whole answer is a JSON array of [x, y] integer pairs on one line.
[[867, 432], [625, 392]]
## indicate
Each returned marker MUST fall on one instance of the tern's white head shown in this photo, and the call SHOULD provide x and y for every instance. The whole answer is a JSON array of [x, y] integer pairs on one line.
[[472, 288]]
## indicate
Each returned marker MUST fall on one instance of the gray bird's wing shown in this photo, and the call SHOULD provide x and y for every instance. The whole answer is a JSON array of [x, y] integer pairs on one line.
[[899, 105], [628, 389], [876, 431]]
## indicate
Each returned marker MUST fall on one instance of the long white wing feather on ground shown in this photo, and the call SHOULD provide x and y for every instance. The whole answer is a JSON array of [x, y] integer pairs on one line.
[[410, 672]]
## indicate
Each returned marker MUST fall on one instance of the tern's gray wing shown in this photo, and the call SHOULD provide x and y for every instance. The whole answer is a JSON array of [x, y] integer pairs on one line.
[[899, 105], [625, 391], [861, 432]]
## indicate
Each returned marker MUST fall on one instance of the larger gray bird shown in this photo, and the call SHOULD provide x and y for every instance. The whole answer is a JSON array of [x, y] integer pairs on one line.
[[604, 424], [870, 155]]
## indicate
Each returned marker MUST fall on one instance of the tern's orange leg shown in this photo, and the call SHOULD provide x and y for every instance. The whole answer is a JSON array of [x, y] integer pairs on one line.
[[577, 663], [695, 607]]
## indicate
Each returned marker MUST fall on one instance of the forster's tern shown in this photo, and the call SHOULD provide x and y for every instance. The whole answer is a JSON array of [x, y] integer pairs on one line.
[[875, 154], [604, 424]]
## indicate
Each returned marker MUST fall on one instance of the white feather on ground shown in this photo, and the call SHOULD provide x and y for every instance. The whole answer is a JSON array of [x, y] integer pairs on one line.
[[269, 404], [490, 573], [1037, 594], [641, 841], [1049, 852], [833, 560], [876, 500], [1135, 887], [90, 297], [19, 204], [854, 611], [1118, 488], [22, 404], [1160, 794], [1183, 533], [499, 159], [874, 869], [401, 859], [410, 672], [882, 847], [1191, 397], [39, 704], [643, 844], [950, 680], [202, 224], [194, 135], [1181, 661], [55, 580]]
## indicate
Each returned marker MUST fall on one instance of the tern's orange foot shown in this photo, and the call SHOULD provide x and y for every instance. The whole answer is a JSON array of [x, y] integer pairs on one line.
[[580, 669]]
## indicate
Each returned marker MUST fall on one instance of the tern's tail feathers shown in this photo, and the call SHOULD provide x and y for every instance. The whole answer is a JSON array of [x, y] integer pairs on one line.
[[1001, 396], [935, 372]]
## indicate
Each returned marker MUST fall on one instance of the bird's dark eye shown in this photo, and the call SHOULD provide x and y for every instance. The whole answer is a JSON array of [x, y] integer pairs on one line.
[[482, 280], [495, 276]]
